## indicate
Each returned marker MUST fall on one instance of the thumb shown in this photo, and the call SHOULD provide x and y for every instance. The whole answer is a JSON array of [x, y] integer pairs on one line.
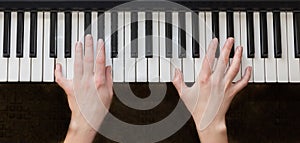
[[178, 82], [59, 78]]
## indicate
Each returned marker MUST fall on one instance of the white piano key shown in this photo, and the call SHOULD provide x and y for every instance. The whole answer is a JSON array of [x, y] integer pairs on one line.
[[164, 62], [3, 61], [282, 63], [81, 28], [258, 62], [202, 41], [13, 62], [129, 62], [118, 63], [37, 63], [246, 62], [270, 62], [222, 29], [153, 63], [107, 31], [70, 61], [175, 61], [209, 33], [25, 63], [294, 64], [237, 40], [48, 70], [208, 30], [188, 62], [141, 64], [61, 42], [94, 31]]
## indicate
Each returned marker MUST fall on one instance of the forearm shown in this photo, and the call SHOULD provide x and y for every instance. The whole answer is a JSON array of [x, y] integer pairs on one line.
[[215, 133]]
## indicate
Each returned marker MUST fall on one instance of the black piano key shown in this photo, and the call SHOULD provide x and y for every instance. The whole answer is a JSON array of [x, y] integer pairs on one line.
[[20, 34], [168, 29], [149, 34], [114, 38], [87, 23], [230, 30], [182, 36], [263, 35], [277, 35], [195, 43], [33, 35], [250, 35], [53, 35], [297, 34], [134, 35], [100, 25], [7, 27], [68, 33], [215, 30]]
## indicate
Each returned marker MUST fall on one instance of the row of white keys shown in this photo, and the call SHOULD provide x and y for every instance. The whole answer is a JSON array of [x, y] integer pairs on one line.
[[188, 62], [13, 62], [37, 63], [74, 39], [48, 70], [25, 62], [141, 62], [118, 63], [294, 63], [176, 62], [129, 62], [237, 40], [165, 65], [282, 63], [246, 62], [153, 68], [61, 42], [3, 61]]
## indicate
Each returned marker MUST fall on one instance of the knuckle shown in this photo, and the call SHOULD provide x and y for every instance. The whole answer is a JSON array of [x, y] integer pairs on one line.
[[89, 59], [100, 81], [204, 79]]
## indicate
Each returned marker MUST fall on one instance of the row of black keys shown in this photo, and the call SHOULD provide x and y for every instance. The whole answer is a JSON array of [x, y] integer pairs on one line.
[[148, 48]]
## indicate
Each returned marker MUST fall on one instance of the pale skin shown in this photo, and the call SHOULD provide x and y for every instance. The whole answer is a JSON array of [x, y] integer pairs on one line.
[[89, 73]]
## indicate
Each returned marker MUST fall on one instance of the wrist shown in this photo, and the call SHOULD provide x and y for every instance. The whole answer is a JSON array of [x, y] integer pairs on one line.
[[216, 132], [80, 131]]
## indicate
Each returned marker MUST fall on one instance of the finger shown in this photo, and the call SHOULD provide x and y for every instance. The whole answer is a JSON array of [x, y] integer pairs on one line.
[[235, 66], [100, 62], [224, 57], [59, 78], [208, 61], [178, 82], [243, 82], [108, 75], [88, 55], [78, 63]]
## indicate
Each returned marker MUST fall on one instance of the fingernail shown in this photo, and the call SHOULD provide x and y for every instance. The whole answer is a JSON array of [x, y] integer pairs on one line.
[[240, 48]]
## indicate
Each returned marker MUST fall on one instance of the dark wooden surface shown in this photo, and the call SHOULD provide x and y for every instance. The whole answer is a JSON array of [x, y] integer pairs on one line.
[[261, 113]]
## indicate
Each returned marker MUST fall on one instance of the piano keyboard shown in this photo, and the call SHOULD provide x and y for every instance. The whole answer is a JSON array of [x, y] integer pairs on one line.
[[145, 46]]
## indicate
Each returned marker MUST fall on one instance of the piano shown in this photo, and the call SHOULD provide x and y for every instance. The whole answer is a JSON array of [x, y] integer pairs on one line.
[[146, 43]]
